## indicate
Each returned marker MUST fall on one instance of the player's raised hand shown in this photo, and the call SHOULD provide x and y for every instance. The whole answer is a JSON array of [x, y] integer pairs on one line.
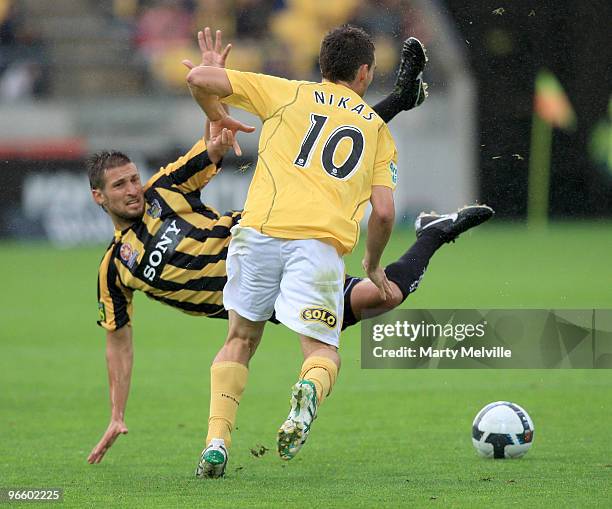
[[218, 147], [212, 54], [232, 125], [115, 428], [379, 278]]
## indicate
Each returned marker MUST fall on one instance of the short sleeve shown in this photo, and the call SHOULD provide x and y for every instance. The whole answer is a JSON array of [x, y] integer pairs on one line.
[[260, 94], [188, 173], [114, 299], [385, 165]]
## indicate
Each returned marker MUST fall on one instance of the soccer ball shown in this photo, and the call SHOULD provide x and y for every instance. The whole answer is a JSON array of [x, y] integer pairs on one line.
[[502, 430]]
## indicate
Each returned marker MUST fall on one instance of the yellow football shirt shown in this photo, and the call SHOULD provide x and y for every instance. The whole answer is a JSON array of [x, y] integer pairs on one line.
[[321, 150]]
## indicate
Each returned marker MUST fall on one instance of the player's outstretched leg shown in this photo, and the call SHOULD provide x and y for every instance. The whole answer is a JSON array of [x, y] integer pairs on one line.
[[409, 90], [213, 460], [361, 297], [409, 84], [450, 226]]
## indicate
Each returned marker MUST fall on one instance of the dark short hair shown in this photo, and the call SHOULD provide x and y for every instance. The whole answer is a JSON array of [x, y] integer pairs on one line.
[[99, 162], [343, 50]]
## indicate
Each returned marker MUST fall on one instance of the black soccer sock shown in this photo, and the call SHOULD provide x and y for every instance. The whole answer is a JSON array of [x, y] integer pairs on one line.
[[389, 107], [408, 271]]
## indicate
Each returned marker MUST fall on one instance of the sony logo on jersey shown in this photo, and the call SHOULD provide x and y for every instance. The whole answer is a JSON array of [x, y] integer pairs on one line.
[[169, 239], [342, 102]]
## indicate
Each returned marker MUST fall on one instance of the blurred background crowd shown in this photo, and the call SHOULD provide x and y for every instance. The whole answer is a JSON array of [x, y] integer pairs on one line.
[[83, 75], [77, 48]]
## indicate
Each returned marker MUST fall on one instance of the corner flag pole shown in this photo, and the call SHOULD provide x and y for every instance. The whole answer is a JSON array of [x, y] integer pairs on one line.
[[539, 172], [551, 109]]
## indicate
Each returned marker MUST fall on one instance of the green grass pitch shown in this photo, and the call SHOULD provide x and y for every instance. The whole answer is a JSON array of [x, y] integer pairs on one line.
[[393, 438]]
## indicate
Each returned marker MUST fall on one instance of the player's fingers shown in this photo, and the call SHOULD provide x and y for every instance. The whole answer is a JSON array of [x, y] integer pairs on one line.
[[207, 130], [201, 41], [188, 63], [383, 294], [224, 137], [218, 41], [105, 448], [229, 139], [237, 148], [95, 454], [381, 289], [245, 128], [388, 290], [226, 51], [208, 38], [99, 457]]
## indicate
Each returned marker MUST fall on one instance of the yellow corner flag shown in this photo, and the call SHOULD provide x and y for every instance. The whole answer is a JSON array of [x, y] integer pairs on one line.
[[550, 102], [551, 109]]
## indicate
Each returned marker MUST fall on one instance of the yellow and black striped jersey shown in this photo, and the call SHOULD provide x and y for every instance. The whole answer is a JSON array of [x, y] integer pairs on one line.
[[175, 253]]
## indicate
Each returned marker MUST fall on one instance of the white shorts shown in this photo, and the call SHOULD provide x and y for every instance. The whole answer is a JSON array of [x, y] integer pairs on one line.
[[302, 280]]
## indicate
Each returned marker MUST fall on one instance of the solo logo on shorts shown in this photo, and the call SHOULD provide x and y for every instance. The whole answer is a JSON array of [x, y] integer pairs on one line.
[[316, 314]]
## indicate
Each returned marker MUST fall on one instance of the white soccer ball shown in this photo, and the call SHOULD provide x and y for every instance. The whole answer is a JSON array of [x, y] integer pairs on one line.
[[502, 430]]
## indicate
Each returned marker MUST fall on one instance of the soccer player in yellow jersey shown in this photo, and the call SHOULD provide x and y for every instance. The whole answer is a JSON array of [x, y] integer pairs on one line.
[[323, 155], [172, 247]]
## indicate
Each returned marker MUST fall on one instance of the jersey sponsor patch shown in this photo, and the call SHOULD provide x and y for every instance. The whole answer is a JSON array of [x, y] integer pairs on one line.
[[155, 209], [128, 255], [319, 314], [159, 250], [393, 170], [101, 312]]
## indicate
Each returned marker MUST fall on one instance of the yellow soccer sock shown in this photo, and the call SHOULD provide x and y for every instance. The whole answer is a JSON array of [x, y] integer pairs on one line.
[[322, 372], [227, 383]]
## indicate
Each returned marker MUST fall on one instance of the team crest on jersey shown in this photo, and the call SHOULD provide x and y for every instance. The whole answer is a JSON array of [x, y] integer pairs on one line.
[[128, 255], [393, 170], [318, 314], [155, 209]]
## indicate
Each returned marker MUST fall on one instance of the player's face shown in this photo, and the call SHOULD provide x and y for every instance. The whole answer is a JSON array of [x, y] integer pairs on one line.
[[123, 195]]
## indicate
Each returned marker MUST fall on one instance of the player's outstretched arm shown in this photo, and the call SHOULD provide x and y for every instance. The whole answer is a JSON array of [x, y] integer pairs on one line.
[[380, 227], [119, 358], [207, 84], [213, 55], [209, 78]]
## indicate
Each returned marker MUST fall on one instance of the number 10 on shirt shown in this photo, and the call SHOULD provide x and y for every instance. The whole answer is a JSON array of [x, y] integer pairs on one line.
[[350, 164]]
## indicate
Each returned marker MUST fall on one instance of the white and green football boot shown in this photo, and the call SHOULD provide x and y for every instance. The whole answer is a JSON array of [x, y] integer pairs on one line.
[[213, 460], [294, 431]]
